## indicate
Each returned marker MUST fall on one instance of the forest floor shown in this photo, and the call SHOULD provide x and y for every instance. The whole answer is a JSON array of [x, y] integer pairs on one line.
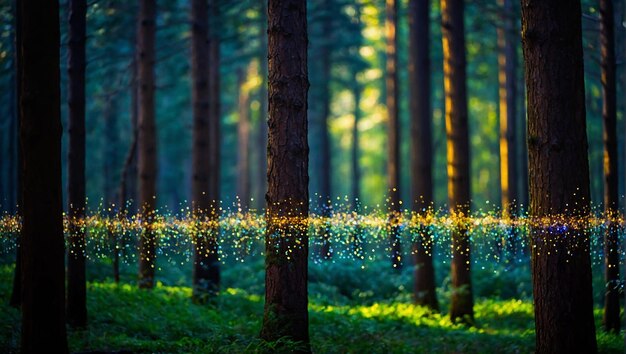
[[123, 318]]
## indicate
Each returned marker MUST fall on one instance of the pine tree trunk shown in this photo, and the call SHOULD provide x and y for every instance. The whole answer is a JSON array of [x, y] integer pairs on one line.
[[559, 176], [76, 281], [243, 140], [453, 28], [286, 240], [205, 187], [43, 273], [611, 201], [421, 148], [393, 146], [147, 152]]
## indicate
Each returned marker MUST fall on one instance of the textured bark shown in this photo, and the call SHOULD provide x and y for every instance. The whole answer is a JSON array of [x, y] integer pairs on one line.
[[147, 152], [557, 144], [507, 92], [453, 28], [611, 201], [43, 273], [393, 128], [205, 184], [421, 148], [243, 141], [76, 281], [286, 240]]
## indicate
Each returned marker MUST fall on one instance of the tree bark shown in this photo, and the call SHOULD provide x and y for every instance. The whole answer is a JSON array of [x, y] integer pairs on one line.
[[286, 240], [76, 281], [393, 146], [453, 28], [243, 140], [421, 149], [507, 92], [147, 152], [611, 201], [559, 176], [43, 273]]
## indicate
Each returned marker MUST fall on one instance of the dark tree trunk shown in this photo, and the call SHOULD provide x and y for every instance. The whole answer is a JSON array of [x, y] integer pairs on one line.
[[76, 282], [243, 140], [393, 146], [421, 149], [205, 184], [43, 273], [557, 146], [147, 152], [453, 28], [611, 201], [286, 240], [523, 145], [261, 139], [16, 171], [507, 92]]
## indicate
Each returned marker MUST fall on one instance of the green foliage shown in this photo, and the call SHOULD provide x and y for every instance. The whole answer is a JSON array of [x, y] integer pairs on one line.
[[351, 310]]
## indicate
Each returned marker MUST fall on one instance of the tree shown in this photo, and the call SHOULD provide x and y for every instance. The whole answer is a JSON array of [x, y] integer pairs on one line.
[[393, 146], [453, 28], [261, 137], [421, 148], [286, 240], [557, 145], [243, 138], [507, 92], [611, 200], [76, 281], [43, 273], [147, 149], [205, 184]]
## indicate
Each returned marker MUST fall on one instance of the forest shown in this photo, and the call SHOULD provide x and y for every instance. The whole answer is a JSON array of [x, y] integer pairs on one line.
[[329, 176]]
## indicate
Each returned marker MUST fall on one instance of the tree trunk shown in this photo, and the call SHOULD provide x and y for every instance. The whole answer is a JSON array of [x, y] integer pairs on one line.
[[611, 201], [43, 273], [421, 148], [453, 28], [15, 171], [147, 152], [243, 140], [286, 240], [205, 184], [357, 241], [393, 146], [507, 92], [559, 176], [76, 281]]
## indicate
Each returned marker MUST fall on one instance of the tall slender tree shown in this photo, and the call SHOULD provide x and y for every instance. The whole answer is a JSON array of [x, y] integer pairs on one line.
[[76, 281], [243, 138], [147, 147], [261, 137], [453, 28], [421, 148], [393, 146], [286, 240], [507, 92], [557, 145], [611, 200], [43, 273], [205, 184]]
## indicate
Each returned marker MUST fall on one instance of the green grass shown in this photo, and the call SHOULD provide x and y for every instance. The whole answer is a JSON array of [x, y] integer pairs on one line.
[[355, 317]]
